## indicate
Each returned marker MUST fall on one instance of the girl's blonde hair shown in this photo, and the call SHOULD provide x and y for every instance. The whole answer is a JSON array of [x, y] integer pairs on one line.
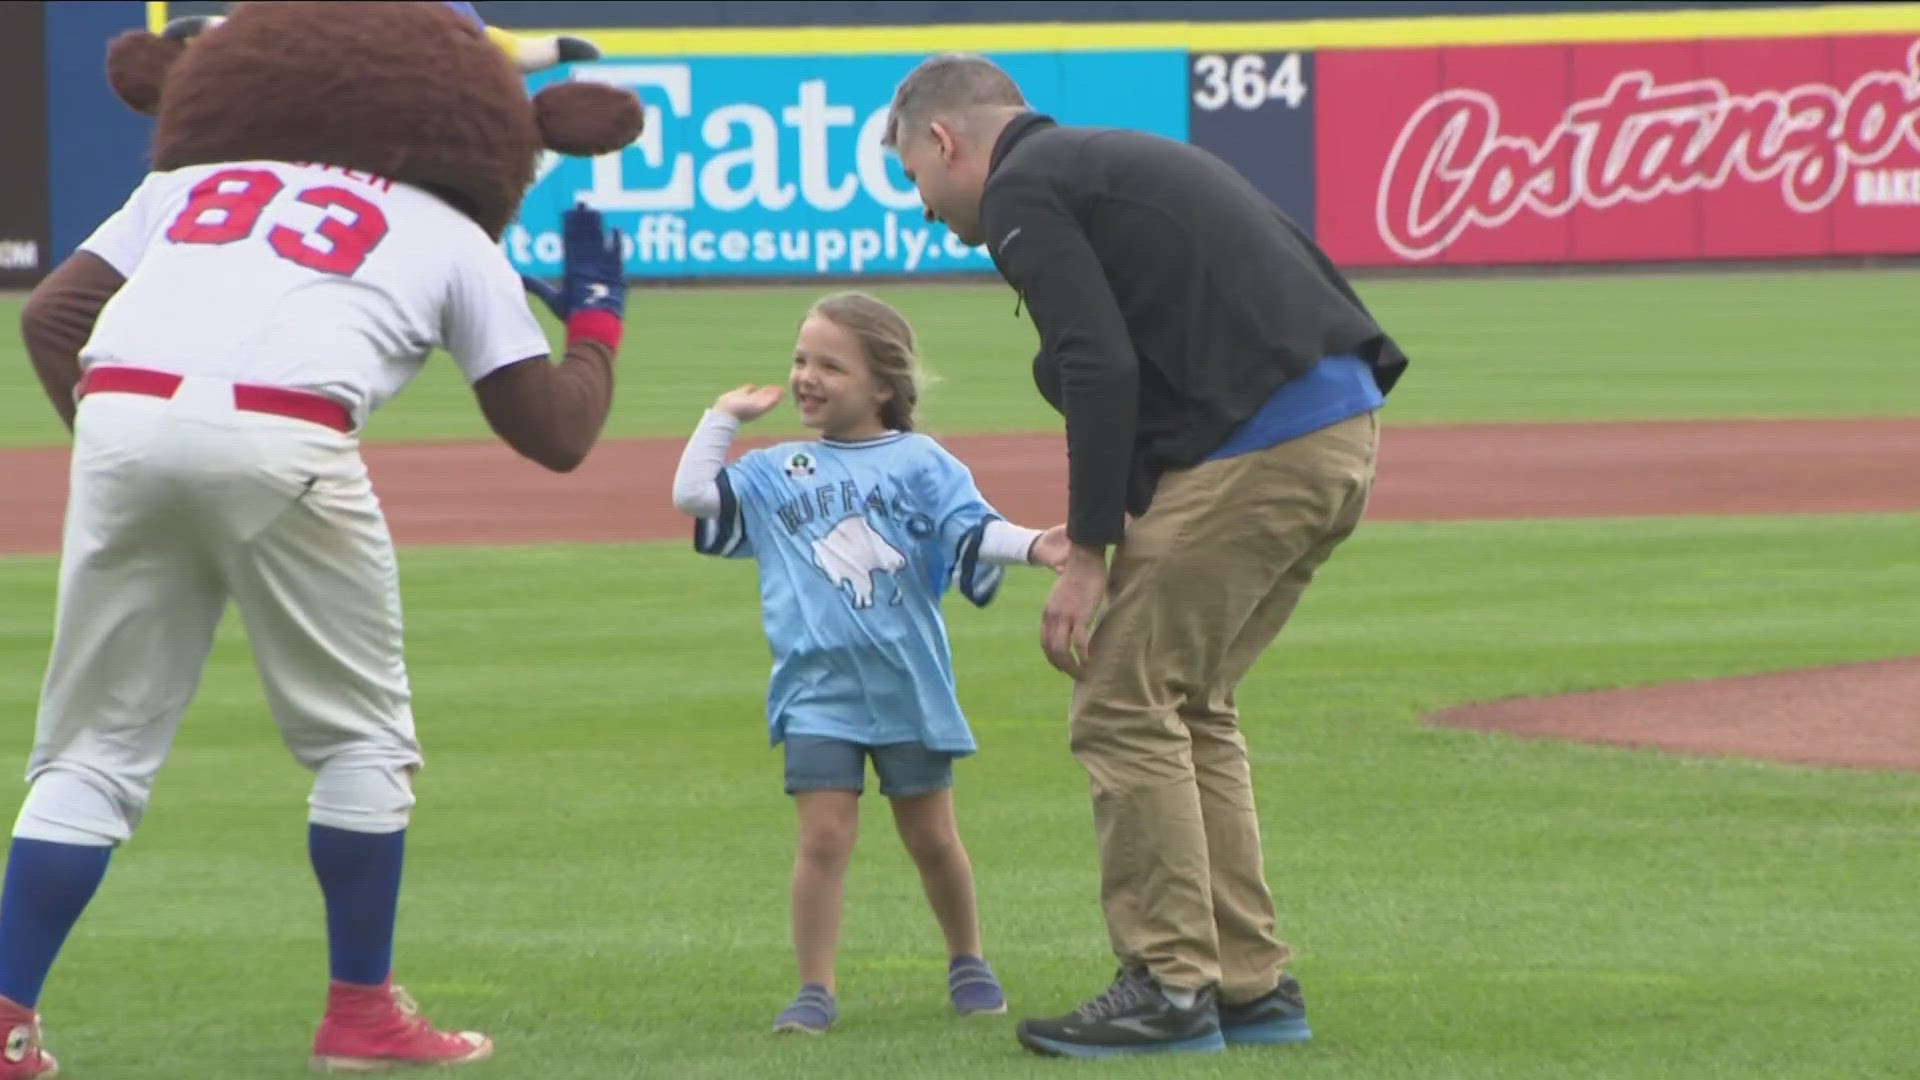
[[887, 339]]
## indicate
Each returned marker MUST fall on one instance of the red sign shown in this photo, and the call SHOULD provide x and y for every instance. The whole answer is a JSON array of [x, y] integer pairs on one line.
[[1595, 153]]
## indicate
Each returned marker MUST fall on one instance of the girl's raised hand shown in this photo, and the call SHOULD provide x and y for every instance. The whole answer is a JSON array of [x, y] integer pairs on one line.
[[746, 403]]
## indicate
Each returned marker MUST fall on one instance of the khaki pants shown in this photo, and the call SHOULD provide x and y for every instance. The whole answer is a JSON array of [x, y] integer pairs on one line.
[[1201, 585]]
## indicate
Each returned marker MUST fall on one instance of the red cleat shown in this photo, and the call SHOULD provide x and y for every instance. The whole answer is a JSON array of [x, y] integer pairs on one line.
[[369, 1028], [22, 1057]]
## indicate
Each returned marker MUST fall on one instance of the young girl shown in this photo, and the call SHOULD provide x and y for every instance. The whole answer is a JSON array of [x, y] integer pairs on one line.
[[858, 534]]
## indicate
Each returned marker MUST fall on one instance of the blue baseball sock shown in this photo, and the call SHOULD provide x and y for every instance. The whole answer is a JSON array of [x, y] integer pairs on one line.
[[48, 886], [360, 878]]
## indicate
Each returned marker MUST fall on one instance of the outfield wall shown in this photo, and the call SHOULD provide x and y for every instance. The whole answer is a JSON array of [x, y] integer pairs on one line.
[[1590, 134], [24, 239]]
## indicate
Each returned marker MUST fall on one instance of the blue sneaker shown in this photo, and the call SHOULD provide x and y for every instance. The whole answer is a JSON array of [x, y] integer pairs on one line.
[[1277, 1017], [974, 990], [813, 1011]]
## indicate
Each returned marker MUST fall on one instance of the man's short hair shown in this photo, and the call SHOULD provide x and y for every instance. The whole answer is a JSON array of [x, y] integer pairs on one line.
[[950, 84]]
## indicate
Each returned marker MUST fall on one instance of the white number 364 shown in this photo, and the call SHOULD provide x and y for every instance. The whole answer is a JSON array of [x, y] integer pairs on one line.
[[1246, 82]]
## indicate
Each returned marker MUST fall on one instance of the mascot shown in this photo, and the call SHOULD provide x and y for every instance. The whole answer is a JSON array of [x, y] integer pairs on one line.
[[330, 183]]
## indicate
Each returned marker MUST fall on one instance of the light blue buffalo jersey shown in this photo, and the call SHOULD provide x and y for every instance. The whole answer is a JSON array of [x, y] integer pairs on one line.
[[856, 544]]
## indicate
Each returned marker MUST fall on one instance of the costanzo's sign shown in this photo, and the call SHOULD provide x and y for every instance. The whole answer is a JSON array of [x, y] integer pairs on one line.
[[1454, 167]]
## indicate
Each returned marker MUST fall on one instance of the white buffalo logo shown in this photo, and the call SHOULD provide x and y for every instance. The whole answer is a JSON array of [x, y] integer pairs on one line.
[[853, 554]]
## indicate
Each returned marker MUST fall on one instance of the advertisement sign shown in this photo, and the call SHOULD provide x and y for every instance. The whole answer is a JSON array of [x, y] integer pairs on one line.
[[1605, 152], [772, 166], [24, 254], [1435, 137]]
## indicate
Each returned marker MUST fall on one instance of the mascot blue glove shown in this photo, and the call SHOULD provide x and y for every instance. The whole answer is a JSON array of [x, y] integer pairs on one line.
[[593, 275]]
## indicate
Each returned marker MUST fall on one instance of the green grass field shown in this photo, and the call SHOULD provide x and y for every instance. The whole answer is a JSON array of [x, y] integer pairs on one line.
[[1747, 345], [600, 858], [599, 863]]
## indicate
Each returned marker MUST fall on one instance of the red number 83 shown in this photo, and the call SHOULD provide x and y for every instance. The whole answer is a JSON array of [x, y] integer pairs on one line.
[[226, 207]]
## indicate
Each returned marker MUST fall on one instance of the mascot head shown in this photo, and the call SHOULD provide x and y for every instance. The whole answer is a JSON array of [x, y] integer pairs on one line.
[[421, 93]]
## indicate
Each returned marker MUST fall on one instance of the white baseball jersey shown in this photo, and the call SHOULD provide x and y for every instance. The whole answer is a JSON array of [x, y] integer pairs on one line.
[[309, 277]]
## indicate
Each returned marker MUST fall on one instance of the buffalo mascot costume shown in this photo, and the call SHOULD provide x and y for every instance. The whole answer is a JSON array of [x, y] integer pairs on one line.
[[329, 186]]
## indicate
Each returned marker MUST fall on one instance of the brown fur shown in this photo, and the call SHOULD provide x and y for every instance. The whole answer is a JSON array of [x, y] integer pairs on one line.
[[582, 119], [405, 90], [137, 64]]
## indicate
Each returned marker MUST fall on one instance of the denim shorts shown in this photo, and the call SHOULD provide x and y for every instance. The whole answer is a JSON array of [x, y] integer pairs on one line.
[[815, 763]]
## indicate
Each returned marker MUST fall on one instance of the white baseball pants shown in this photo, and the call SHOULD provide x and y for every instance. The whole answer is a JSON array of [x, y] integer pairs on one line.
[[177, 505]]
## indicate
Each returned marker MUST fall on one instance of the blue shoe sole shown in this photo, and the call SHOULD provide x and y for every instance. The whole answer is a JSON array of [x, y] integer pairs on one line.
[[1208, 1044], [1275, 1033]]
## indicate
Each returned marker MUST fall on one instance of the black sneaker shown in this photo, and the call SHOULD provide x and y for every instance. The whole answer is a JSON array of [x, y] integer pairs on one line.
[[1133, 1016], [1278, 1017]]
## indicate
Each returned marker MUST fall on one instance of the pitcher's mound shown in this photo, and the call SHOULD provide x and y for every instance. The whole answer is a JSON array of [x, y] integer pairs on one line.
[[1856, 716]]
